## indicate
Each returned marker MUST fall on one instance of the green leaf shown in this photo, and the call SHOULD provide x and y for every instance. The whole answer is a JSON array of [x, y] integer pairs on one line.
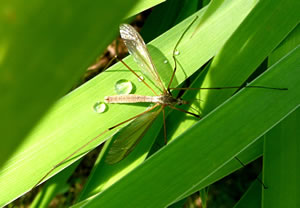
[[45, 47], [252, 198], [246, 49], [252, 152], [142, 6], [281, 163], [166, 15], [231, 69], [211, 143], [104, 175], [282, 147], [52, 187], [72, 122]]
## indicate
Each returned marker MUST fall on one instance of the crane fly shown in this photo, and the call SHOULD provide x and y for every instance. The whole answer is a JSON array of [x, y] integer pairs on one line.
[[125, 142], [122, 147]]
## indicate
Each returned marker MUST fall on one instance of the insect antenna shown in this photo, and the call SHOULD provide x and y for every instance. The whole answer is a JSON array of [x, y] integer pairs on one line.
[[174, 51]]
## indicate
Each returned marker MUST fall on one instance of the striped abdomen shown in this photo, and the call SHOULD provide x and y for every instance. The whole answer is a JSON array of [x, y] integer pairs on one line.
[[132, 99]]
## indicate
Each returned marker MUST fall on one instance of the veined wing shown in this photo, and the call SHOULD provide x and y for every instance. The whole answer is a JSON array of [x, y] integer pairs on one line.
[[128, 137], [137, 47]]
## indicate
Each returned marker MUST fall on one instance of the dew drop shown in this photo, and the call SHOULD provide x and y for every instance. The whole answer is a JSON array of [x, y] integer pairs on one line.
[[123, 87], [165, 61], [99, 107], [176, 53], [141, 78]]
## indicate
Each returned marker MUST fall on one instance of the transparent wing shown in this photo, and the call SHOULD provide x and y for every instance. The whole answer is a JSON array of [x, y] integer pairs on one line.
[[129, 136], [137, 47]]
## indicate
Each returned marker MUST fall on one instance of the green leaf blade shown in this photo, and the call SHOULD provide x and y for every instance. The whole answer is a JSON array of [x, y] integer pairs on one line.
[[236, 124]]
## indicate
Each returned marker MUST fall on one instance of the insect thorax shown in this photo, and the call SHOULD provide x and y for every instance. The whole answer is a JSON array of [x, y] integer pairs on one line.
[[167, 100]]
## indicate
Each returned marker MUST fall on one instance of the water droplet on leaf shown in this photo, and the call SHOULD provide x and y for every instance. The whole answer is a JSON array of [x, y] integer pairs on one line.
[[99, 107], [123, 87]]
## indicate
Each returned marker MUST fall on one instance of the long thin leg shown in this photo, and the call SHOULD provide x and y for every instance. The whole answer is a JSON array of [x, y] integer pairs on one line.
[[165, 127], [174, 51], [179, 109], [109, 63], [222, 88], [136, 75], [257, 178], [89, 142], [194, 109]]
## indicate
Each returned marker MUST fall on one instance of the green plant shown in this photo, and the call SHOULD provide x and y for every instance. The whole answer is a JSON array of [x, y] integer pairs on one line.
[[239, 35]]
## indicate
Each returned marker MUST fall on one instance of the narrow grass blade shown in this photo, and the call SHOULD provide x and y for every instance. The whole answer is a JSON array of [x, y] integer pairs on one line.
[[281, 163], [57, 184], [101, 176], [211, 143], [252, 198], [141, 6], [45, 47]]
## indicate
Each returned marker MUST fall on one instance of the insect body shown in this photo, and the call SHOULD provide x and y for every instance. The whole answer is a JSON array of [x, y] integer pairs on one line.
[[166, 99], [126, 142], [129, 138], [121, 146]]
